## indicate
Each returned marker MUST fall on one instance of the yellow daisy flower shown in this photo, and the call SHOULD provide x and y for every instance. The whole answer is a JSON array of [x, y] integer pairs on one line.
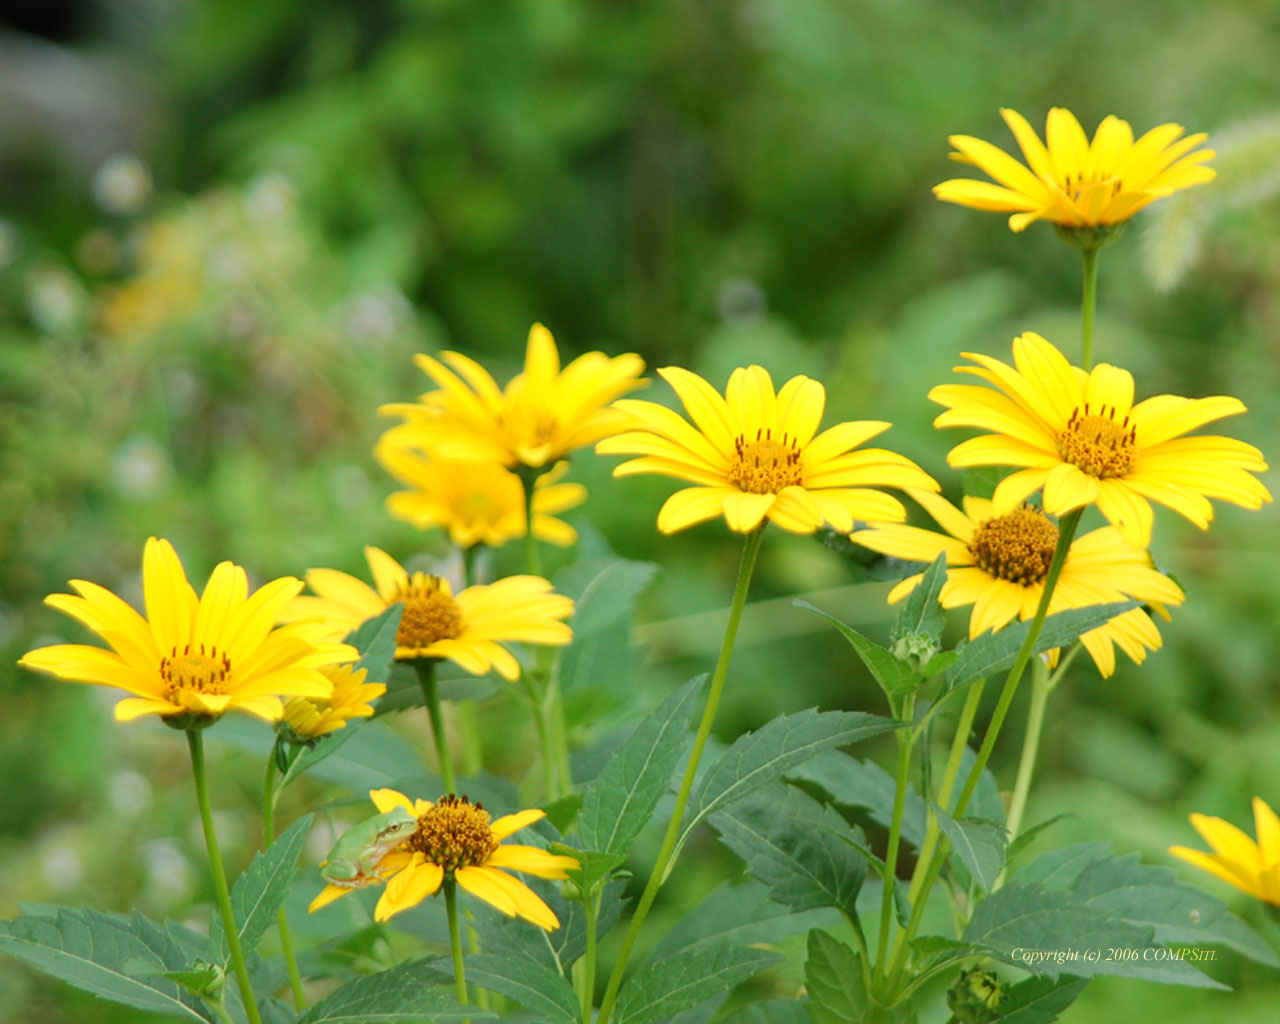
[[542, 416], [998, 564], [457, 840], [1251, 867], [197, 656], [468, 627], [312, 717], [753, 455], [1072, 181], [1081, 437], [478, 502]]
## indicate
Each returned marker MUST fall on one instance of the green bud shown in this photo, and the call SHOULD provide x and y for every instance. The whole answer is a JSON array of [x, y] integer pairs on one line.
[[976, 997]]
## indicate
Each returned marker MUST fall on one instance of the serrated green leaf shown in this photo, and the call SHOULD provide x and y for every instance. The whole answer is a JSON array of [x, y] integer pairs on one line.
[[593, 867], [995, 652], [896, 677], [404, 993], [273, 1011], [665, 987], [259, 892], [1027, 836], [921, 614], [115, 957], [537, 988], [833, 976], [562, 813], [806, 853], [603, 611], [759, 757], [620, 801], [772, 1011], [979, 843], [738, 914], [1040, 1000]]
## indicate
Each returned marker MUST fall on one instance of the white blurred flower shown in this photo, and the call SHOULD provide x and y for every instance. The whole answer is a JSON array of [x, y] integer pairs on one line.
[[122, 184], [140, 469], [129, 793], [55, 299]]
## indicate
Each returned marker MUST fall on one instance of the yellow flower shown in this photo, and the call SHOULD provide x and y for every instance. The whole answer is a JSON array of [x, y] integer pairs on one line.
[[1074, 182], [1236, 859], [478, 502], [1081, 437], [468, 627], [457, 841], [753, 455], [197, 656], [998, 564], [310, 717], [542, 416]]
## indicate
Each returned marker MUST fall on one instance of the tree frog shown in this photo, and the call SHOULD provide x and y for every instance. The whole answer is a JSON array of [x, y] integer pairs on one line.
[[353, 861]]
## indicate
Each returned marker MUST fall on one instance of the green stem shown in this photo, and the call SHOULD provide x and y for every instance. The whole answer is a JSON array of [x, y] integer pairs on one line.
[[426, 668], [550, 778], [269, 793], [455, 938], [590, 908], [1089, 303], [1066, 533], [195, 742], [469, 556], [468, 723], [1030, 745], [903, 737], [220, 1011], [746, 567], [529, 476]]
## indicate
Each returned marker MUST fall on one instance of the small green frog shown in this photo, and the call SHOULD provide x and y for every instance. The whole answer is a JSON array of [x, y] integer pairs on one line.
[[353, 861]]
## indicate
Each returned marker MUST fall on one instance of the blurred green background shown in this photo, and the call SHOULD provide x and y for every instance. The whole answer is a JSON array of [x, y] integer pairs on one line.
[[227, 227]]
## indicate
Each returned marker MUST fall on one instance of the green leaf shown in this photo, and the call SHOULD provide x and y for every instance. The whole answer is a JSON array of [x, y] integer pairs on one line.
[[1039, 1000], [619, 802], [1027, 836], [759, 757], [603, 612], [979, 843], [407, 992], [562, 813], [921, 614], [259, 892], [806, 853], [772, 1011], [896, 677], [665, 987], [741, 914], [995, 652], [593, 867], [537, 988], [118, 958], [833, 976]]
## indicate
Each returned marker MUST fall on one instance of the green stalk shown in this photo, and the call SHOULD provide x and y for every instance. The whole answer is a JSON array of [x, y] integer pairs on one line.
[[269, 793], [455, 938], [195, 742], [1089, 304], [529, 476], [903, 737], [550, 777], [590, 908], [467, 719], [1066, 533], [1030, 745], [426, 668], [750, 549]]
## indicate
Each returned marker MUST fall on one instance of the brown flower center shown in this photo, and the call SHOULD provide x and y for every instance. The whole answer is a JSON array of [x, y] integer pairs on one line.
[[1017, 547], [430, 614], [1097, 445], [455, 834], [765, 465], [205, 670]]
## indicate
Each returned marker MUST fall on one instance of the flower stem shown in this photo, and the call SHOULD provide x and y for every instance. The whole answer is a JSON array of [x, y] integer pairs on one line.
[[1030, 746], [269, 792], [529, 477], [750, 549], [550, 776], [426, 668], [905, 745], [455, 938], [1089, 303], [590, 909], [195, 742]]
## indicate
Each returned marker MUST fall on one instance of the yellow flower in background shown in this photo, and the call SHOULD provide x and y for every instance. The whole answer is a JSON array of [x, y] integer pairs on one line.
[[1072, 181], [998, 564], [311, 717], [468, 628], [1251, 867], [456, 839], [1081, 437], [199, 656], [753, 454], [544, 414], [478, 502]]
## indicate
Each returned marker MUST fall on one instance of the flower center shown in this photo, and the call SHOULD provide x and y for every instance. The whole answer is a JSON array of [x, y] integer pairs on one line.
[[1097, 445], [455, 834], [764, 466], [478, 505], [1017, 547], [533, 424], [1077, 185], [430, 614], [205, 670]]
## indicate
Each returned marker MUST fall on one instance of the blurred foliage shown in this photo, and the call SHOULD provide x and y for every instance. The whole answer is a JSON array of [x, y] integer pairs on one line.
[[197, 335]]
